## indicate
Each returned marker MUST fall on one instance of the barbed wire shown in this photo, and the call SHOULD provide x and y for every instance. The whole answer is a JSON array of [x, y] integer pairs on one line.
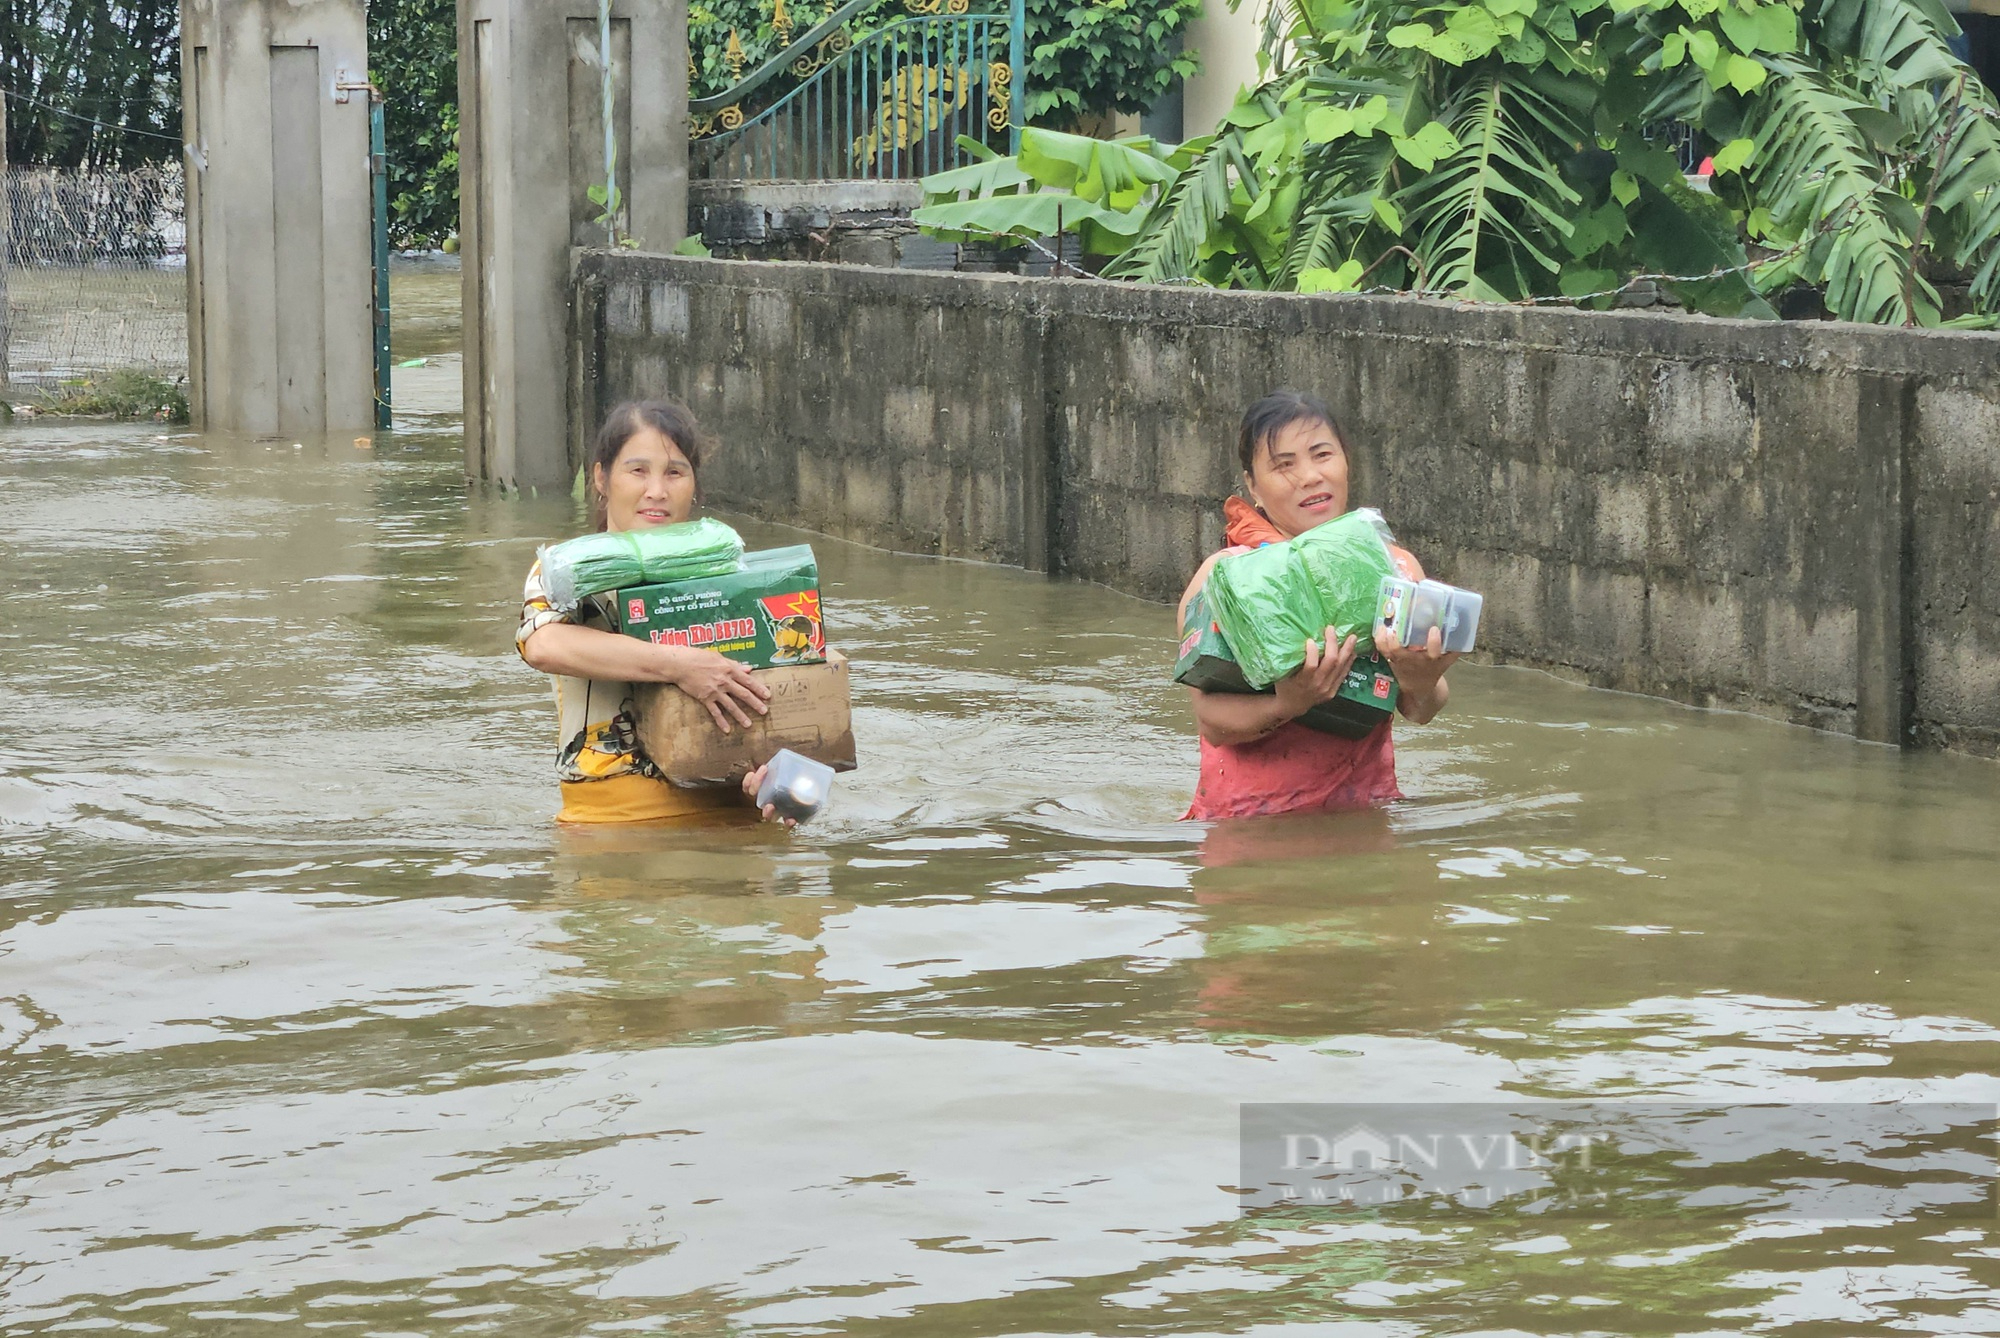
[[1777, 257], [1826, 225], [12, 96]]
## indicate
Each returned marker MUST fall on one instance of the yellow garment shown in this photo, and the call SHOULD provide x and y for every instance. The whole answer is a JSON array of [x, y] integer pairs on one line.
[[635, 798]]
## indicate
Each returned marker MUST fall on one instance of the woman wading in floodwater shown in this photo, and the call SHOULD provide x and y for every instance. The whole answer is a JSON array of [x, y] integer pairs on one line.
[[1255, 756], [642, 473]]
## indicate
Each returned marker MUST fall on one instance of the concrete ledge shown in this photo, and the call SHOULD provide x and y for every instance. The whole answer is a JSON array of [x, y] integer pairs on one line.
[[832, 196], [848, 223], [1798, 519]]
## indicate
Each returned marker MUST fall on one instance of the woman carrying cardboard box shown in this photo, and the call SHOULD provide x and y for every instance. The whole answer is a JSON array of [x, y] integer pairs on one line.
[[1255, 756], [643, 472]]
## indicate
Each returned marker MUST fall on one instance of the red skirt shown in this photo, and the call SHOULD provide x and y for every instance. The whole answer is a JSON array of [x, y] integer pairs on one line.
[[1295, 770]]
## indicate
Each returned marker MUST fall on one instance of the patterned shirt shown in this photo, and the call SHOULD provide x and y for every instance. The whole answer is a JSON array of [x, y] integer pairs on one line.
[[594, 721]]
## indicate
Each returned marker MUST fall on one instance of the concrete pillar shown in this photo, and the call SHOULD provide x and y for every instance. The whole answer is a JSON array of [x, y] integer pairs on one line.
[[530, 147], [1885, 684], [6, 245], [280, 301]]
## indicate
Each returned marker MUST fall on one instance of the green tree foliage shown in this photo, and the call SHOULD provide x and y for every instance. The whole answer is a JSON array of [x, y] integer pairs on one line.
[[119, 64], [1085, 57], [712, 22], [1495, 150], [413, 59], [116, 64], [1092, 57]]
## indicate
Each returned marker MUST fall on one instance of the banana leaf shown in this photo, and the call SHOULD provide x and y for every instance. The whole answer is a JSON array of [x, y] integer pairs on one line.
[[1270, 601], [594, 563]]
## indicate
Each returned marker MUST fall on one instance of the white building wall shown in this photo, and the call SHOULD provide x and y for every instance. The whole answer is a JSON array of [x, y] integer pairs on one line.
[[1227, 41]]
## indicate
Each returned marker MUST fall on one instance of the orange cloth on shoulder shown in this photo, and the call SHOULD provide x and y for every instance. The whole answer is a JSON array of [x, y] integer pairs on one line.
[[1244, 526]]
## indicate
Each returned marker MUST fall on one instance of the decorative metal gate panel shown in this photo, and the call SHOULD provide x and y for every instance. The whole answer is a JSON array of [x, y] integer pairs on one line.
[[887, 105]]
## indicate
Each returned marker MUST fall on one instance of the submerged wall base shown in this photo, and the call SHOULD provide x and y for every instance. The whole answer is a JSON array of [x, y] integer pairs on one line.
[[1797, 519]]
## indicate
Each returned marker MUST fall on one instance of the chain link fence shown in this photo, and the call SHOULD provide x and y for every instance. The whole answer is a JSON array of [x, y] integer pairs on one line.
[[95, 274]]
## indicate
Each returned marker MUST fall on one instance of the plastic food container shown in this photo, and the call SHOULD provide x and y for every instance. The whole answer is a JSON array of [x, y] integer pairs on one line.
[[796, 787], [1412, 608]]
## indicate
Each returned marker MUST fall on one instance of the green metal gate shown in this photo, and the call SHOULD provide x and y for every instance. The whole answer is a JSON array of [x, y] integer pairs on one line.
[[378, 170], [887, 105]]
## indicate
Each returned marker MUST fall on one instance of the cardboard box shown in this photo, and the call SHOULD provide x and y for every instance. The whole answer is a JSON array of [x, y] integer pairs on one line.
[[810, 714], [1366, 699], [764, 613]]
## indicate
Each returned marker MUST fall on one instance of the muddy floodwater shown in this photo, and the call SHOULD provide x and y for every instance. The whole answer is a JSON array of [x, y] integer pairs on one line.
[[311, 1020]]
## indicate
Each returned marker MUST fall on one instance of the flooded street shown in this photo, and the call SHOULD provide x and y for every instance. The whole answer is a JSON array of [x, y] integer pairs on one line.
[[310, 1016]]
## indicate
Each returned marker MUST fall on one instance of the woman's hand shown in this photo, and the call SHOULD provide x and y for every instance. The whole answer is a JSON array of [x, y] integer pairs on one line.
[[755, 782], [1419, 673], [1319, 678], [727, 688], [1236, 718]]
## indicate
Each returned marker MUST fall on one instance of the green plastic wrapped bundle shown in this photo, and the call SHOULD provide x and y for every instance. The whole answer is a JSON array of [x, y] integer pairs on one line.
[[595, 563], [1364, 701], [1348, 558], [1270, 601]]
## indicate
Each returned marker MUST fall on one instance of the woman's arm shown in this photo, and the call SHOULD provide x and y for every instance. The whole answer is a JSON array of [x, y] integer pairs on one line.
[[1235, 717], [592, 652], [724, 686], [1242, 717]]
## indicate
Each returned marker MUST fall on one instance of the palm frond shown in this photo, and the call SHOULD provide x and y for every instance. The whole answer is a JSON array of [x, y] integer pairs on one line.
[[1281, 23], [1316, 243], [1900, 48], [1965, 189], [1813, 167], [1194, 206], [1896, 43], [1499, 201]]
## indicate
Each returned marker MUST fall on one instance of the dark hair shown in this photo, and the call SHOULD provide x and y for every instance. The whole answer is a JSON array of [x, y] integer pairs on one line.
[[1276, 412], [669, 418]]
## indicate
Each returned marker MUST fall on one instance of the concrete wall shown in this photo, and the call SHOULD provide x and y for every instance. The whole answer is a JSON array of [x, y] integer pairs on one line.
[[280, 289], [849, 223], [1801, 519]]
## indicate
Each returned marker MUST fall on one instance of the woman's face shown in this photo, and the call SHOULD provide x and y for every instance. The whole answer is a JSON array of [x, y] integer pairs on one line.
[[650, 483], [1299, 478]]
